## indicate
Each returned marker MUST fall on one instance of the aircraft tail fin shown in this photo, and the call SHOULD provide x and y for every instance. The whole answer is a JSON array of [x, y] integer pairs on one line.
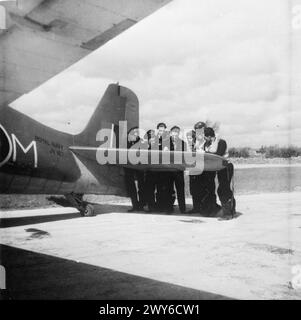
[[117, 104]]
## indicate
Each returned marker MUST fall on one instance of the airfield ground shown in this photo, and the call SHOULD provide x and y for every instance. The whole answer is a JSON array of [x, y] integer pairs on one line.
[[54, 253]]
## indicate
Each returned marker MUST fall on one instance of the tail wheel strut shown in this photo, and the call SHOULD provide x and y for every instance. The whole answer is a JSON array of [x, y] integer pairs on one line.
[[85, 209]]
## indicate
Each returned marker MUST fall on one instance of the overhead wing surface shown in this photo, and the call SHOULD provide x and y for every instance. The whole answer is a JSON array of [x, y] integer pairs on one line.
[[44, 37]]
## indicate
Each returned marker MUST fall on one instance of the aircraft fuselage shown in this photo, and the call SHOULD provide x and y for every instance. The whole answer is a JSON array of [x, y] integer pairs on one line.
[[36, 159]]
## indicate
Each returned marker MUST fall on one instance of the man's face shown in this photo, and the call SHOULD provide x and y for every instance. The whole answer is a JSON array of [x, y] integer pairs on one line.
[[209, 139], [133, 135], [161, 130], [200, 134], [189, 139], [175, 134]]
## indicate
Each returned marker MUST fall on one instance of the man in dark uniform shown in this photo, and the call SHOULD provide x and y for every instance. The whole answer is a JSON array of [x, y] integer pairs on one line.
[[151, 177], [162, 137], [132, 175], [209, 203], [164, 185], [177, 144], [219, 146], [196, 184], [190, 137], [203, 185]]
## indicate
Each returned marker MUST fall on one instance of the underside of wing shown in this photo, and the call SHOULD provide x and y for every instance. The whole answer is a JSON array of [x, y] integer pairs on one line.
[[44, 37]]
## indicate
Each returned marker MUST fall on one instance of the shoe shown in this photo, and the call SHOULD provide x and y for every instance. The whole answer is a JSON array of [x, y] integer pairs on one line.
[[228, 208], [141, 206], [133, 209], [214, 210], [193, 211]]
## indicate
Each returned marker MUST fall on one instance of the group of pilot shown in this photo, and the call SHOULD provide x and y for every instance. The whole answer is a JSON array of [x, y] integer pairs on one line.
[[157, 190]]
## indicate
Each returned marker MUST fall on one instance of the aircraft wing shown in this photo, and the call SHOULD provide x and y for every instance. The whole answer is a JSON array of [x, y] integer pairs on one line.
[[44, 37]]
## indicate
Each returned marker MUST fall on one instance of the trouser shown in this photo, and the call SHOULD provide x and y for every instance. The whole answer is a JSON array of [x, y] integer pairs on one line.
[[224, 177], [202, 189], [165, 191], [195, 191], [209, 200], [151, 179], [137, 196], [178, 181]]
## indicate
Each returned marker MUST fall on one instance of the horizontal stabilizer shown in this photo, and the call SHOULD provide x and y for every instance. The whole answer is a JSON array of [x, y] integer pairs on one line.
[[153, 160]]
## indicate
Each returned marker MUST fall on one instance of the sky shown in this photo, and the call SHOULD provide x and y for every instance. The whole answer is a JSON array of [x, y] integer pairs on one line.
[[224, 61]]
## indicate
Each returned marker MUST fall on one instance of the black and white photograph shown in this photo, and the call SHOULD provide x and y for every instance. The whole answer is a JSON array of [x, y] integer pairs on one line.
[[150, 150]]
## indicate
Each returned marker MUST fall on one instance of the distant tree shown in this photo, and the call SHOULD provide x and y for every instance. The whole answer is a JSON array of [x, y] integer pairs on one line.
[[239, 152], [262, 150], [280, 152]]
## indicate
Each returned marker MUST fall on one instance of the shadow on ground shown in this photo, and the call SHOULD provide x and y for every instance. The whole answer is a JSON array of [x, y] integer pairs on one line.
[[28, 220], [99, 209], [32, 275], [109, 208], [23, 221]]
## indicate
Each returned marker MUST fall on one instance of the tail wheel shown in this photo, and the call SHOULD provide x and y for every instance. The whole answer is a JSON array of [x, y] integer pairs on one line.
[[88, 211]]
